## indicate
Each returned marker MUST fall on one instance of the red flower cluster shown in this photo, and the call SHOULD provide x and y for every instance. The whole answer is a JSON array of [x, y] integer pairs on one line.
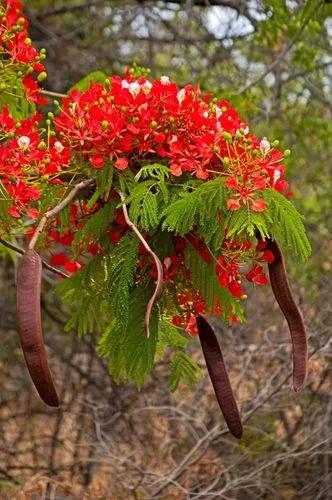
[[20, 61], [128, 121], [25, 158]]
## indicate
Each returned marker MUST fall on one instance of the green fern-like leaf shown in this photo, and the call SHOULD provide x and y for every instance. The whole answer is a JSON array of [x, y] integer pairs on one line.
[[87, 318], [245, 222], [236, 222], [204, 279], [93, 77], [111, 347], [143, 205], [104, 181], [286, 224], [85, 293], [130, 354], [198, 208], [183, 367], [96, 226], [5, 202], [64, 219], [155, 170], [170, 337], [120, 271], [149, 211], [50, 196]]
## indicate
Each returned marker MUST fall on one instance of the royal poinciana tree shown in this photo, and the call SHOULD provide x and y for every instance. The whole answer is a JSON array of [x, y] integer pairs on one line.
[[154, 205]]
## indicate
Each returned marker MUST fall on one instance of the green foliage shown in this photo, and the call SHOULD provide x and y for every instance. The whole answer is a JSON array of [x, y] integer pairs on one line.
[[143, 209], [85, 319], [64, 219], [155, 170], [181, 364], [14, 99], [170, 336], [96, 226], [148, 196], [85, 293], [287, 226], [104, 180], [51, 194], [130, 354], [121, 265], [5, 202], [84, 83], [199, 208], [183, 367], [204, 279], [248, 222]]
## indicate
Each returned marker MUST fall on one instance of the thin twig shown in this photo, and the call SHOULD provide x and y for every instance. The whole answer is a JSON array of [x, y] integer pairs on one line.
[[276, 61], [22, 252], [53, 94], [66, 8], [159, 266], [55, 210]]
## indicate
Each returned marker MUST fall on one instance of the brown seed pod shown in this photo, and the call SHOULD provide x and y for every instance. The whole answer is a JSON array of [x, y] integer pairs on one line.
[[282, 292], [219, 377], [29, 276]]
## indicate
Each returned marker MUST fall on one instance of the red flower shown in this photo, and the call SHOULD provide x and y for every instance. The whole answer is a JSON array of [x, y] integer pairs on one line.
[[59, 259], [114, 236], [257, 275], [97, 161], [121, 163], [258, 205], [268, 256], [233, 204]]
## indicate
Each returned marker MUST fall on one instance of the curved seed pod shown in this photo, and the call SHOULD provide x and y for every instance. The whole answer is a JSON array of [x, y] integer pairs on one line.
[[219, 377], [282, 292], [29, 277]]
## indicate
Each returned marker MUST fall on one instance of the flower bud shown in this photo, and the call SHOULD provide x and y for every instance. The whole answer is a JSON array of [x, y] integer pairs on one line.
[[42, 76], [42, 145], [28, 41], [287, 153], [227, 137]]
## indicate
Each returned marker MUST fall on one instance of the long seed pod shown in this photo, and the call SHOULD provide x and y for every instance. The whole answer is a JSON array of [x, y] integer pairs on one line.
[[29, 276], [283, 294], [219, 377]]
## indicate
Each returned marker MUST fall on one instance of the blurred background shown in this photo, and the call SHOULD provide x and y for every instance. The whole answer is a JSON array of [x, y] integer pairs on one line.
[[273, 61]]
